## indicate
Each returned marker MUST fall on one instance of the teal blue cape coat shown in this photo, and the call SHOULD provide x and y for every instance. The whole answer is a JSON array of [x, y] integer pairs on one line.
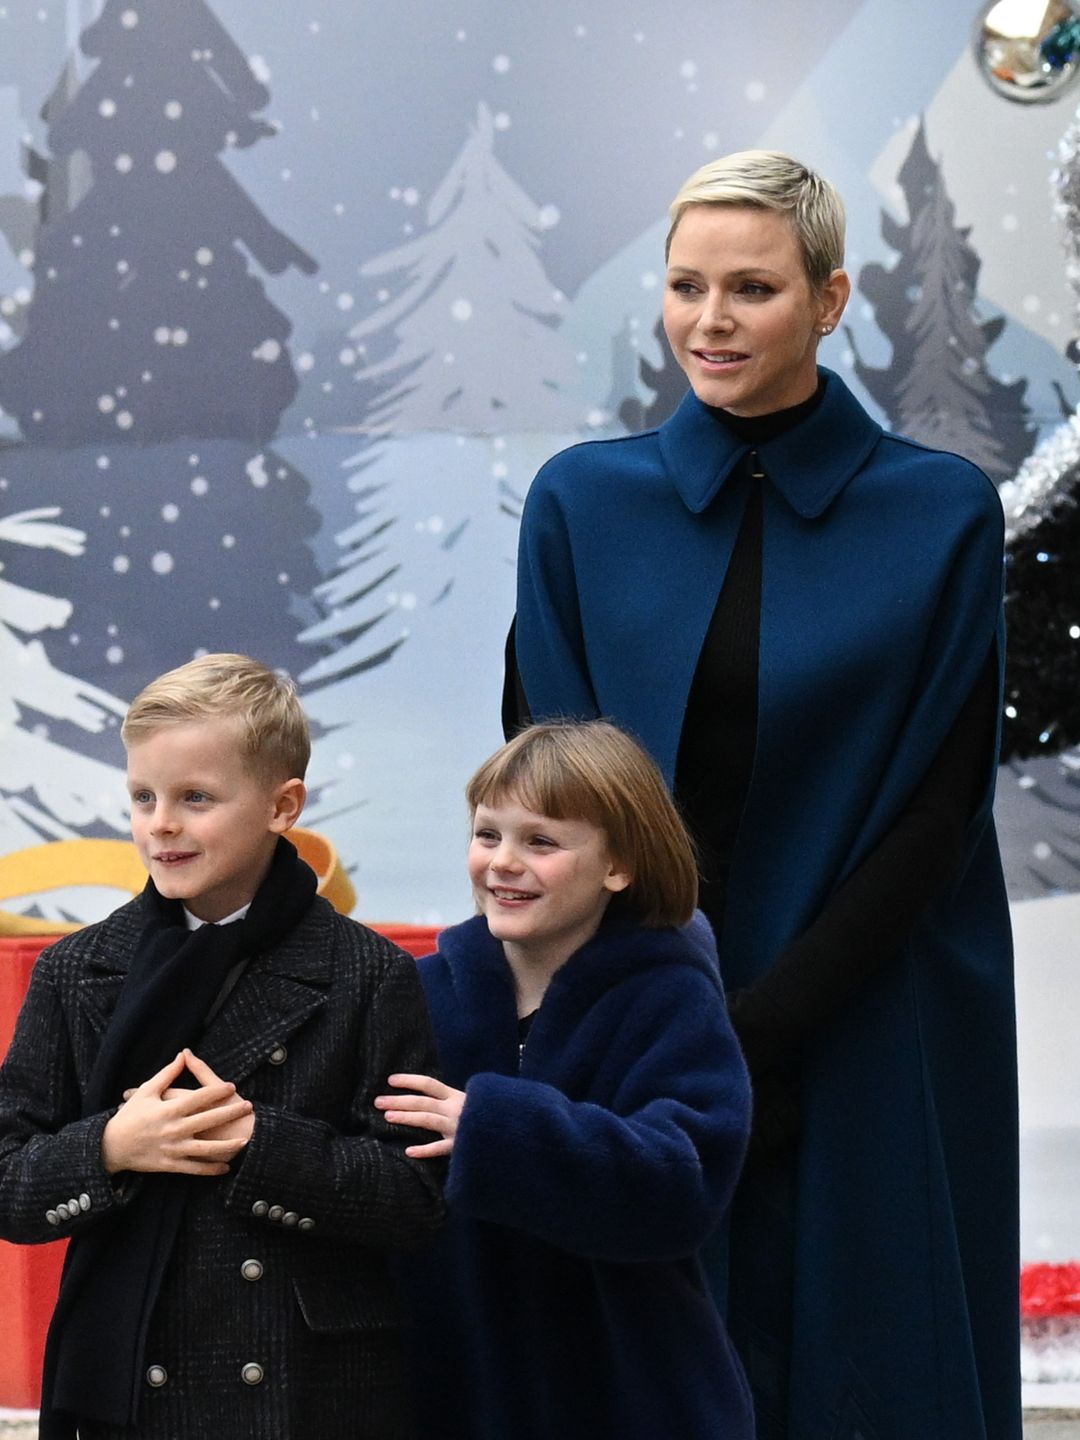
[[881, 600]]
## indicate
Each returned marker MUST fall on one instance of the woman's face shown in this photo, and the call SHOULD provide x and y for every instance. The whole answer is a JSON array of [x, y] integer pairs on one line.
[[739, 312]]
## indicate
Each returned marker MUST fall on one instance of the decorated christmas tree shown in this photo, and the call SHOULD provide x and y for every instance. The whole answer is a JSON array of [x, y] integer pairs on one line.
[[937, 387], [146, 318], [1042, 681]]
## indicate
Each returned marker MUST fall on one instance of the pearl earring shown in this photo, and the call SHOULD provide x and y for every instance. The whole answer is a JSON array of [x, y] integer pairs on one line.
[[826, 329]]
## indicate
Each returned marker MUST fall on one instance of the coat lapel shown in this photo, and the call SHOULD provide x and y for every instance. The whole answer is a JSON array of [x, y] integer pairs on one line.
[[274, 996]]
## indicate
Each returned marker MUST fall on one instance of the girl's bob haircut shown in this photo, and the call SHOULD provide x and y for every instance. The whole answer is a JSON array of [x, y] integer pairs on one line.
[[591, 770]]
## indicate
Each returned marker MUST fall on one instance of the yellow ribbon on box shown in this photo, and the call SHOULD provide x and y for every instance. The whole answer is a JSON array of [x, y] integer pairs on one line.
[[115, 865]]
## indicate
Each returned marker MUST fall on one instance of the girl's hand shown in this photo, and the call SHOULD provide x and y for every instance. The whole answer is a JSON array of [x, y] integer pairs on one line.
[[161, 1128], [435, 1107]]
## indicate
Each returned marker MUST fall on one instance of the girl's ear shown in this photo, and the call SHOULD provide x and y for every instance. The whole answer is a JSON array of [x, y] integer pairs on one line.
[[617, 879], [289, 799]]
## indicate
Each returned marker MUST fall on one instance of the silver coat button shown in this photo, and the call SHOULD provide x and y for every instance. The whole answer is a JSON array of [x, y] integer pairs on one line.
[[62, 1211], [52, 1217], [290, 1218], [156, 1376], [251, 1373], [275, 1213], [306, 1223], [252, 1270], [73, 1207], [84, 1202], [278, 1055], [260, 1209]]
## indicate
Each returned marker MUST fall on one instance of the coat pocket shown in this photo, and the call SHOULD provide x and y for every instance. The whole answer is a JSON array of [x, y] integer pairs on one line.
[[348, 1297]]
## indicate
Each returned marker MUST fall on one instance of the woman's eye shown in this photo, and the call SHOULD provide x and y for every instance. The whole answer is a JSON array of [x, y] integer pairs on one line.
[[755, 288], [683, 287]]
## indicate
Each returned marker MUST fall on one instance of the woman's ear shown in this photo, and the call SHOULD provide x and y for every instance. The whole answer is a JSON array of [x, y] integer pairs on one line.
[[289, 800], [835, 294]]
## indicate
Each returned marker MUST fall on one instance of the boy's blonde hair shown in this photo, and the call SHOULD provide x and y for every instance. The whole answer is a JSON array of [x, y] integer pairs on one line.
[[770, 180], [591, 770], [272, 727]]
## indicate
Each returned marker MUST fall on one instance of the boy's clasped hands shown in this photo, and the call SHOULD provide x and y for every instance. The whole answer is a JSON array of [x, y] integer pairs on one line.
[[165, 1127]]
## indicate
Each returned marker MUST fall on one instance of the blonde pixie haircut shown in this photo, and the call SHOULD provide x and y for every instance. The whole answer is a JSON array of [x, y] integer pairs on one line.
[[770, 180], [593, 771], [272, 727]]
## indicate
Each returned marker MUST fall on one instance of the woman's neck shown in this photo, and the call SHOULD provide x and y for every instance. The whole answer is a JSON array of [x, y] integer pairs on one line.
[[758, 429]]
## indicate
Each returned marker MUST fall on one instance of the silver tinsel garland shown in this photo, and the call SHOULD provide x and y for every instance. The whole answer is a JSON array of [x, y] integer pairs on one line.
[[1037, 490]]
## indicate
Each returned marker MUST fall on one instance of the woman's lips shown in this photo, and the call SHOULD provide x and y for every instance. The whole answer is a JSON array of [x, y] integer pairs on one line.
[[720, 359]]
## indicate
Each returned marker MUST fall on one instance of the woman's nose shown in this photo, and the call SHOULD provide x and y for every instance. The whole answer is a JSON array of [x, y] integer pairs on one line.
[[714, 317]]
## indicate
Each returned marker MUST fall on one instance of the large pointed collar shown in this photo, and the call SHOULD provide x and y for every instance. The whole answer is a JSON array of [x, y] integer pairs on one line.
[[809, 465]]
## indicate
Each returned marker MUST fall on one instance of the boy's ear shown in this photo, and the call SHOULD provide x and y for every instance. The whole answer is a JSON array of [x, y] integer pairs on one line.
[[289, 799]]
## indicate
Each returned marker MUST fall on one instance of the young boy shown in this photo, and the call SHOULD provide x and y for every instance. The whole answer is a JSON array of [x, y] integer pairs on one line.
[[188, 1097]]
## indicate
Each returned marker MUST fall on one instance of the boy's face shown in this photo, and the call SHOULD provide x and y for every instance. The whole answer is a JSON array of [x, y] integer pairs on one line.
[[204, 823]]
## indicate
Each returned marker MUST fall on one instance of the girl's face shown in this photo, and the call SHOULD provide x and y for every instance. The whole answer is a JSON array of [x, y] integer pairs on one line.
[[740, 314], [543, 885]]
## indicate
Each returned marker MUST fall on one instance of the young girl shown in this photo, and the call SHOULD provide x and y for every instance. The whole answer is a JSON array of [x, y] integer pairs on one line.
[[595, 1114]]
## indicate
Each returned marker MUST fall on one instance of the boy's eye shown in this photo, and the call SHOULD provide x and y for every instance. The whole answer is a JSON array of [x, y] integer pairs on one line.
[[543, 841], [197, 797], [141, 797], [488, 836]]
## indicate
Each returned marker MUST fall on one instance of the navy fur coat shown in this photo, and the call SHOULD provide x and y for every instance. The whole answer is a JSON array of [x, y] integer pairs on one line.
[[566, 1298], [880, 605]]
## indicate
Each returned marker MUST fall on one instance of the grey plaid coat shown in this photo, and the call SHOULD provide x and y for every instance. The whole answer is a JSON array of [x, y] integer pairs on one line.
[[278, 1318]]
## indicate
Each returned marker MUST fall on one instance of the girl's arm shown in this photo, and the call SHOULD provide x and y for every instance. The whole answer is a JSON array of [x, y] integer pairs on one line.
[[647, 1178]]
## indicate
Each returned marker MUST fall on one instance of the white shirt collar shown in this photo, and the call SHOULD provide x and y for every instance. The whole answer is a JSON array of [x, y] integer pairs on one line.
[[194, 923]]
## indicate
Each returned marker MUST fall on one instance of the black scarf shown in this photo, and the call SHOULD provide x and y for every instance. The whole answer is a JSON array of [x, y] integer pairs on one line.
[[112, 1275]]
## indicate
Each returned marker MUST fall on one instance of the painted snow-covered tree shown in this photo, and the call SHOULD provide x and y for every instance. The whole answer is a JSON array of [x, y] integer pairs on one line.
[[1042, 510], [16, 224], [354, 604], [937, 387], [146, 318], [152, 348], [665, 382], [191, 545], [47, 790], [472, 327]]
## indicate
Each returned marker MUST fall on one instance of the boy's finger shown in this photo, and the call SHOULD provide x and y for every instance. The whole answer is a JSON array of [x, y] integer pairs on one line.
[[211, 1150], [200, 1069], [160, 1082], [209, 1097]]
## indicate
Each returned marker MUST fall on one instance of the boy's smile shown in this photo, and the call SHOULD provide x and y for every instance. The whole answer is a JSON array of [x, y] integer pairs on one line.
[[204, 822]]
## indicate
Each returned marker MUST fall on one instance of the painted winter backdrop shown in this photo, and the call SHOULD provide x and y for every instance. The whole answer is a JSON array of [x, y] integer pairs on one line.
[[293, 305]]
